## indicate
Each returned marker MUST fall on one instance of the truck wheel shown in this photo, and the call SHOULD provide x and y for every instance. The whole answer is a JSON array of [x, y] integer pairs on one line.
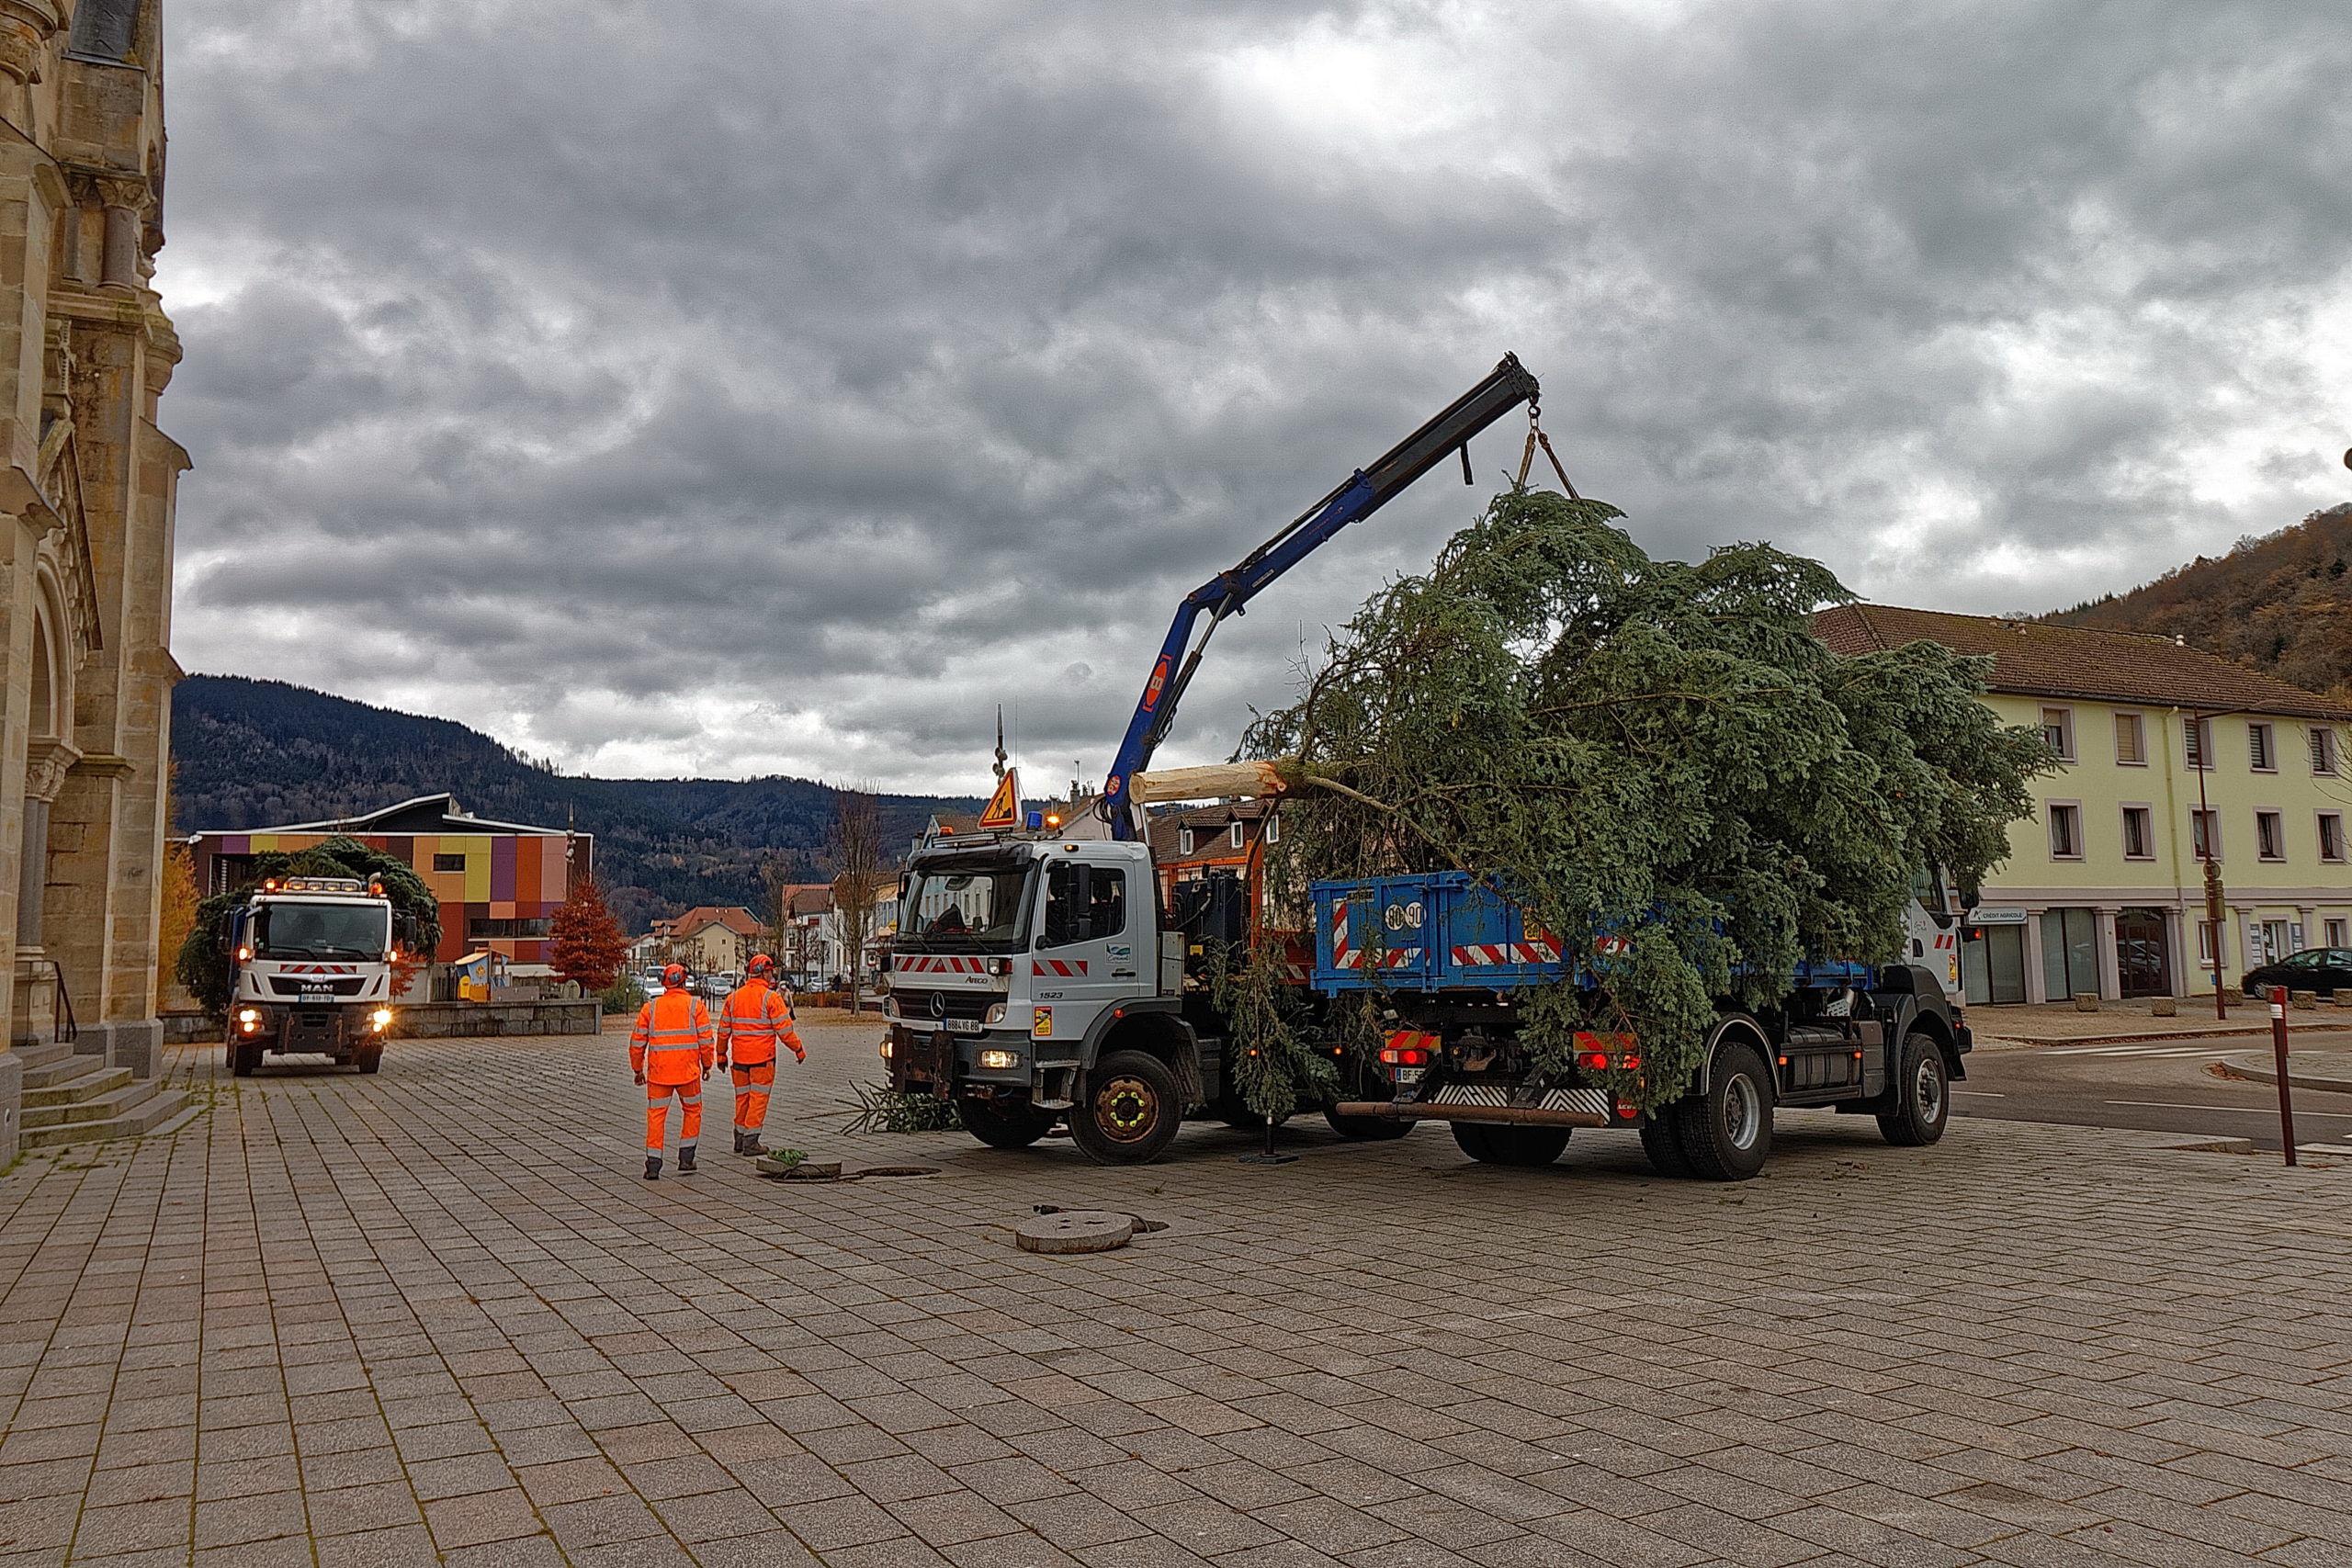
[[1664, 1145], [1370, 1129], [1727, 1131], [244, 1055], [1511, 1146], [367, 1058], [1130, 1110], [1003, 1127], [1922, 1094]]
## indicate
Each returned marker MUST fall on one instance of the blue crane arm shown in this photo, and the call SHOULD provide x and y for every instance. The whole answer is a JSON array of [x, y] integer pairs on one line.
[[1229, 592]]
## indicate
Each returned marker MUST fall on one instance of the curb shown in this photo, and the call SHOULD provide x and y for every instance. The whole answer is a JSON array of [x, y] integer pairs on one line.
[[2232, 1032], [2253, 1066]]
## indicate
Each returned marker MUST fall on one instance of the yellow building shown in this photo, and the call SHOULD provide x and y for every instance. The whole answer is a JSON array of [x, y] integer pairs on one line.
[[2165, 750]]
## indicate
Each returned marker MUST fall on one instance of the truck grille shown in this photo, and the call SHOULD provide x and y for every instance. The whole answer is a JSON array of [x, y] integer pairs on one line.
[[284, 987], [914, 1006]]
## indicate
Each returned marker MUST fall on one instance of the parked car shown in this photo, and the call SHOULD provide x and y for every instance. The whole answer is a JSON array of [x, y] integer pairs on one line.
[[2321, 969]]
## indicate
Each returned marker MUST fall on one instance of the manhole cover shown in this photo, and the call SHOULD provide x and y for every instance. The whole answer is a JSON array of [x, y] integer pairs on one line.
[[1075, 1230]]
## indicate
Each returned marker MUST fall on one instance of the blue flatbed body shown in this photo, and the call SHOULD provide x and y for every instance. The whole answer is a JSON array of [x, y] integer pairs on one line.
[[1448, 932]]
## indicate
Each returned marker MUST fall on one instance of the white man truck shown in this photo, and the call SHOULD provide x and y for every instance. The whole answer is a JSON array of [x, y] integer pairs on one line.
[[311, 961]]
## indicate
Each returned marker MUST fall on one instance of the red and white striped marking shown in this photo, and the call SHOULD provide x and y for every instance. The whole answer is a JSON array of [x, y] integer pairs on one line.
[[938, 963], [1495, 955], [1059, 968], [1346, 957], [318, 969]]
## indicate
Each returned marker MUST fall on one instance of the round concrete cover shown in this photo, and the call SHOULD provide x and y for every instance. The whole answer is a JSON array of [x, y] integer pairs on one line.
[[1075, 1230]]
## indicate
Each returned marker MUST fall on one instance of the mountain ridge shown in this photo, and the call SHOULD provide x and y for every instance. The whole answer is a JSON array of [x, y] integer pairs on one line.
[[250, 753]]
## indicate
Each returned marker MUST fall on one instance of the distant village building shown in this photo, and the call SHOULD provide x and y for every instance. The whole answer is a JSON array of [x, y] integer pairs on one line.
[[711, 939], [499, 884], [2167, 754], [85, 668]]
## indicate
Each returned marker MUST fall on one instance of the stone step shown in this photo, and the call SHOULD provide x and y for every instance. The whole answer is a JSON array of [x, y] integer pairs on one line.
[[63, 1070], [94, 1107], [44, 1052], [158, 1109], [81, 1086]]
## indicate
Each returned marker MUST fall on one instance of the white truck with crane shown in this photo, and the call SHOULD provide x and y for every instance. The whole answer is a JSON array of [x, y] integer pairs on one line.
[[1035, 980], [311, 963]]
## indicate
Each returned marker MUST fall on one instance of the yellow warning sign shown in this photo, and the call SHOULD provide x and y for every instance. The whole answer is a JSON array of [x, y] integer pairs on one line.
[[1004, 806]]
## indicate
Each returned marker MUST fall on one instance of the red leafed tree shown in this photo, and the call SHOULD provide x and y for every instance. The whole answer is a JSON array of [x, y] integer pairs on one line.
[[589, 945]]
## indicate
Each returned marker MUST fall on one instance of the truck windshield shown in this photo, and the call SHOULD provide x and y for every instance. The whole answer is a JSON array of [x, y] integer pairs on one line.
[[322, 931], [965, 906]]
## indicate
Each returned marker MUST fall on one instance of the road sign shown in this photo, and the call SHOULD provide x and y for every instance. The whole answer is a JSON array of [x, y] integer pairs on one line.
[[1004, 806]]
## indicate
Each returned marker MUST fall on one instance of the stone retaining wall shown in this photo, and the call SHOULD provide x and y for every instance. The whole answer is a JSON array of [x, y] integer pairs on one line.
[[448, 1020]]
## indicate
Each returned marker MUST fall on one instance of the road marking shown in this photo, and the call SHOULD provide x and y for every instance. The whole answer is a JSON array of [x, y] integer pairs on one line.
[[1982, 1093], [2240, 1110], [2168, 1050]]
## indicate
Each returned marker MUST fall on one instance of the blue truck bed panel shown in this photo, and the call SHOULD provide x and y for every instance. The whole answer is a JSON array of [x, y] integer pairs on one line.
[[1445, 931]]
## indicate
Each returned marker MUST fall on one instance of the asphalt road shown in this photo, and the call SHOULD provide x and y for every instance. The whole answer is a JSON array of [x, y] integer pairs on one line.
[[2161, 1086]]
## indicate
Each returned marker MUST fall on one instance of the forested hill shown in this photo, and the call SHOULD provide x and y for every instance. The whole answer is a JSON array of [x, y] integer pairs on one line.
[[2282, 603], [257, 753]]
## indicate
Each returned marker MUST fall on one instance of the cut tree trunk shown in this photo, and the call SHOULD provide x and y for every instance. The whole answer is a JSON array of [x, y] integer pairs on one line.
[[1213, 781]]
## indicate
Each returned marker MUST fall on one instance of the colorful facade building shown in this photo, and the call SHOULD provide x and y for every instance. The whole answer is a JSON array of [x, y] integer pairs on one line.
[[499, 884], [2164, 754]]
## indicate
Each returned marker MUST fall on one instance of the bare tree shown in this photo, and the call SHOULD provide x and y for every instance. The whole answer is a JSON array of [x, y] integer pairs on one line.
[[861, 868]]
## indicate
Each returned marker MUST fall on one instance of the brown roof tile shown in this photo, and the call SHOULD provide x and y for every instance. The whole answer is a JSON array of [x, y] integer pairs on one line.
[[2036, 659]]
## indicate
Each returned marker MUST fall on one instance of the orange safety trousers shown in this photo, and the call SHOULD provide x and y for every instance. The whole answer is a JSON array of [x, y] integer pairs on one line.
[[754, 1080], [657, 1113]]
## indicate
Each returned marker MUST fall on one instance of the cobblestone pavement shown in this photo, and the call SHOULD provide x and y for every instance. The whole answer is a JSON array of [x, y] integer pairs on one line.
[[434, 1316]]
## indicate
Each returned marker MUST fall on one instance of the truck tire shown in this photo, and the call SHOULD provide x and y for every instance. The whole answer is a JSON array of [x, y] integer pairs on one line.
[[367, 1058], [1727, 1133], [1921, 1094], [1003, 1127], [244, 1055], [1370, 1129], [1663, 1143], [1510, 1146], [1129, 1111]]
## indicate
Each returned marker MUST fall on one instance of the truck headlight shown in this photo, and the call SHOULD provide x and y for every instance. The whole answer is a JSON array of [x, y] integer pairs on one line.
[[889, 1008], [998, 1059], [248, 1015], [380, 1017], [995, 1014]]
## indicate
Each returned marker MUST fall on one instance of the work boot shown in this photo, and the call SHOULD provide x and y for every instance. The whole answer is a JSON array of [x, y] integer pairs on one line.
[[753, 1146], [686, 1160], [653, 1168], [738, 1140]]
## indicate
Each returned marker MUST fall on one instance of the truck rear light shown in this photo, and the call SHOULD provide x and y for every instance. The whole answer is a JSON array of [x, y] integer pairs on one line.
[[1405, 1056], [1592, 1062], [1410, 1048]]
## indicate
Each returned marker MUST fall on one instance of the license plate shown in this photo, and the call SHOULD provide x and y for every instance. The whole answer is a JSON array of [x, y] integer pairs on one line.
[[1410, 1075], [964, 1026], [317, 994]]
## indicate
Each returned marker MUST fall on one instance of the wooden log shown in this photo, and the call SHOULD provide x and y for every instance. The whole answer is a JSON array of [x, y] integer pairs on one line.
[[1213, 781]]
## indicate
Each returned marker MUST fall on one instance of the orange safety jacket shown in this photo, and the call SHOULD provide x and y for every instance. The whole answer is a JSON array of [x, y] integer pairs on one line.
[[672, 1041], [754, 1020]]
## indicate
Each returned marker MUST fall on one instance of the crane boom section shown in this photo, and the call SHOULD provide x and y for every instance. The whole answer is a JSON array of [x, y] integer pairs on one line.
[[1229, 593]]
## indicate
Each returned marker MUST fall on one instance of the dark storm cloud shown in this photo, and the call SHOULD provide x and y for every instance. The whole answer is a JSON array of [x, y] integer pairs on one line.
[[751, 387]]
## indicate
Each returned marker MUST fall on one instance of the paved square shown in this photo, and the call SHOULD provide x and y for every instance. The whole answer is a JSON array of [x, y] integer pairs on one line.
[[435, 1316]]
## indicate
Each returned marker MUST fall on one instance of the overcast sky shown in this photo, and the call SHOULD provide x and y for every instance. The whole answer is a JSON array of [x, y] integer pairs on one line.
[[748, 387]]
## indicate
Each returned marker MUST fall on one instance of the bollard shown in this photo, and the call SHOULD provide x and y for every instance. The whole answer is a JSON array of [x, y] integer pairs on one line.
[[1267, 1155], [2279, 1051]]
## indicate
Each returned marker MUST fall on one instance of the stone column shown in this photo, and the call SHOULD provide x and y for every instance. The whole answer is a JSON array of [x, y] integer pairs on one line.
[[33, 1009], [124, 198], [2110, 959], [2035, 991]]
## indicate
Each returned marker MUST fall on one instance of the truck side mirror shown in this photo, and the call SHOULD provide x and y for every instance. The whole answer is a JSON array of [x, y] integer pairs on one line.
[[1970, 897]]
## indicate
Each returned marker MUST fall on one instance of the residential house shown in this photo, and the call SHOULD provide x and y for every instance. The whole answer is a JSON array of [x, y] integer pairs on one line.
[[713, 939], [2165, 754]]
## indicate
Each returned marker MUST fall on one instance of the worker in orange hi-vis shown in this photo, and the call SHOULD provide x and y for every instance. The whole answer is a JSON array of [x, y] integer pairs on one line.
[[671, 1051], [754, 1020]]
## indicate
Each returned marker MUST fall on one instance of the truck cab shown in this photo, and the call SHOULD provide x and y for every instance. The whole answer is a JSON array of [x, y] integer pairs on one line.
[[312, 958], [1030, 981]]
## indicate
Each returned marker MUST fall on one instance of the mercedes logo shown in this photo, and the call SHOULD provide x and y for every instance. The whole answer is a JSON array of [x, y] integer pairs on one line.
[[939, 1004]]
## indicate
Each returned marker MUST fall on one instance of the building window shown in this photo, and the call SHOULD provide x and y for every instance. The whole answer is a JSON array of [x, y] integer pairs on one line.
[[1274, 828], [2065, 832], [2204, 944], [2131, 741], [2261, 751], [482, 928], [2205, 835], [1233, 835], [2322, 750], [2331, 840], [2339, 933], [2139, 833], [448, 862], [2269, 836], [2058, 732], [1183, 840], [2198, 734]]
